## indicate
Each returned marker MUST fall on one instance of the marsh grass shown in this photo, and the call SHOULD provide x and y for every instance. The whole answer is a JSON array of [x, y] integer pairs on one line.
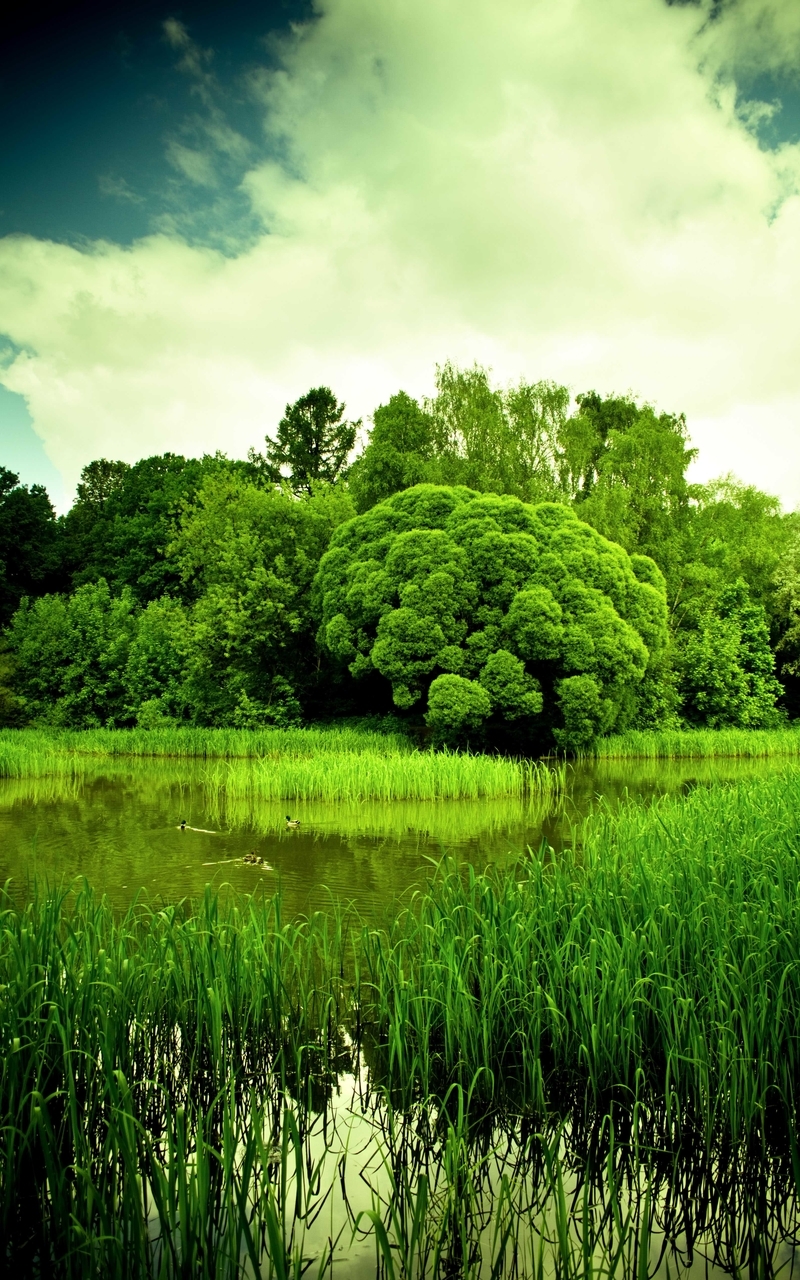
[[293, 764], [666, 949], [203, 744], [677, 744], [626, 1015], [351, 779]]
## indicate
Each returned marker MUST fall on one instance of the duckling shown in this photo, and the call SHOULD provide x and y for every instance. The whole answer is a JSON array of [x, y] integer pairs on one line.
[[253, 859], [292, 822], [183, 824]]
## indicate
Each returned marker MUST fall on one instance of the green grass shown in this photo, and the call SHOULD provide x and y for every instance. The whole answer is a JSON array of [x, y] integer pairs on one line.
[[202, 743], [349, 779], [679, 744], [160, 1073], [292, 764], [665, 949]]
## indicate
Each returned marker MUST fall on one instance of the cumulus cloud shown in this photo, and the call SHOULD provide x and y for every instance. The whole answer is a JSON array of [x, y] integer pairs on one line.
[[566, 191]]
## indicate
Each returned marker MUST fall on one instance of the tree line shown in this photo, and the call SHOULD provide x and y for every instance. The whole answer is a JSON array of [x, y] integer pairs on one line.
[[500, 565]]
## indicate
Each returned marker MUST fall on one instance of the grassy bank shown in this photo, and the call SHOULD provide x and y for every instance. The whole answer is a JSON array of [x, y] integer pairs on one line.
[[677, 744], [292, 764], [161, 1073], [202, 744]]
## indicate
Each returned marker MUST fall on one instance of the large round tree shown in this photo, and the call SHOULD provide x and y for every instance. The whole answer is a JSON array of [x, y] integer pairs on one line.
[[487, 610]]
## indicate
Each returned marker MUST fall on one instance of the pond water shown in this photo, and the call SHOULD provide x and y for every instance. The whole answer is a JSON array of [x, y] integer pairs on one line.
[[118, 824]]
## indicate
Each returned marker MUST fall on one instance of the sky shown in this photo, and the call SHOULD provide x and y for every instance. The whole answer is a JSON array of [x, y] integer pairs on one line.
[[205, 210]]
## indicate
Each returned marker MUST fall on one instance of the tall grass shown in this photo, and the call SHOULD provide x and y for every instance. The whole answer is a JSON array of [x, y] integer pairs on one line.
[[665, 949], [676, 744], [168, 1080], [367, 776], [191, 743], [168, 1096], [293, 764]]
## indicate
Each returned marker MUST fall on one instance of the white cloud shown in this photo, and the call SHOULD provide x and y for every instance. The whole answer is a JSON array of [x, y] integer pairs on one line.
[[563, 191]]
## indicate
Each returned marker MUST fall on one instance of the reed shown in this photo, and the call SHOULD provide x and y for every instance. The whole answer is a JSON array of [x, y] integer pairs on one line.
[[664, 948], [201, 744], [352, 779], [294, 764], [677, 744], [169, 1078]]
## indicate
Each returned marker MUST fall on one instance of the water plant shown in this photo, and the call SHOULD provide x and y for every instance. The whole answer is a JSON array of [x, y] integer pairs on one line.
[[556, 1068], [665, 946], [676, 744], [295, 764]]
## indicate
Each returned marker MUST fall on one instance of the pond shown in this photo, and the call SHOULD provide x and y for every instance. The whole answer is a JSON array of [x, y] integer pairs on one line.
[[118, 825]]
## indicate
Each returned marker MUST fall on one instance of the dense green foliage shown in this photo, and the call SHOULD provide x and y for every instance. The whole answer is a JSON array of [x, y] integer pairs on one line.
[[161, 1072], [30, 555], [179, 591], [487, 608]]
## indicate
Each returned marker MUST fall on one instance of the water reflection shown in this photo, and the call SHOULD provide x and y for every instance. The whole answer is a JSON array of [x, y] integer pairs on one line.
[[119, 825]]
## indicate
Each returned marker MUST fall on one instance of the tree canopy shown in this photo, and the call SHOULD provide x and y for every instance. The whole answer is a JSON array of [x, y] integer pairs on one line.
[[206, 565], [489, 610], [30, 552], [313, 441]]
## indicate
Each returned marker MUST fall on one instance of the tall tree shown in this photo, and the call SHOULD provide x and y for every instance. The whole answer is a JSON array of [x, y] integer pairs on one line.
[[497, 441], [624, 466], [125, 516], [313, 441], [30, 543], [248, 557], [401, 453]]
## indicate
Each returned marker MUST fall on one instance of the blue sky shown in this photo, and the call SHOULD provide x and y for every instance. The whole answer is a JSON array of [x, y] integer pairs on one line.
[[204, 210], [89, 95]]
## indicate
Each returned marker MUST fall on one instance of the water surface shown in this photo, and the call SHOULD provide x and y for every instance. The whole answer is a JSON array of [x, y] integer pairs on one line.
[[119, 826]]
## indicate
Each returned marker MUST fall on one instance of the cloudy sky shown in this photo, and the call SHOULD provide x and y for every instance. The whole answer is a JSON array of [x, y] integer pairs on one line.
[[207, 209]]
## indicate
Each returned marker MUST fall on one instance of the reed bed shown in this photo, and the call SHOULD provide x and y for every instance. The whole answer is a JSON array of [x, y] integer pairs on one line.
[[188, 743], [381, 777], [665, 948], [168, 1078], [294, 764], [677, 744]]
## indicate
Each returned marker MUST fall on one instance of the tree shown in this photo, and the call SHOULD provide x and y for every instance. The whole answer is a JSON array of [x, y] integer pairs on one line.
[[485, 609], [125, 517], [99, 481], [735, 531], [726, 667], [624, 469], [401, 453], [30, 543], [497, 441], [154, 677], [312, 442], [248, 557], [469, 433], [69, 655]]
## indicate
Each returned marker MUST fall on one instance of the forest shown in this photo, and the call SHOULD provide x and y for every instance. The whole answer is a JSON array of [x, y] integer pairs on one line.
[[508, 569]]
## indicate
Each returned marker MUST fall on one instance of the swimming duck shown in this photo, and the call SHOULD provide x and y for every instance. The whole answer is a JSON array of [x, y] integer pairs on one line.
[[252, 859], [183, 824], [292, 822]]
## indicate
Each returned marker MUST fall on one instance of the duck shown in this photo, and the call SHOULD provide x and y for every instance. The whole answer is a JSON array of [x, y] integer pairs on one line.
[[253, 859], [183, 824], [292, 822]]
